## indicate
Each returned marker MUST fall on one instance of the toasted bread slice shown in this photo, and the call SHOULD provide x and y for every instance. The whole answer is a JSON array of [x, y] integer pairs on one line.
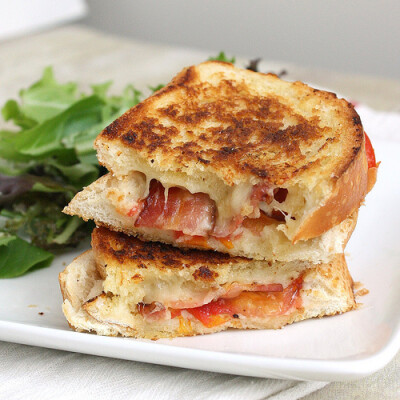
[[148, 290], [267, 243], [224, 131]]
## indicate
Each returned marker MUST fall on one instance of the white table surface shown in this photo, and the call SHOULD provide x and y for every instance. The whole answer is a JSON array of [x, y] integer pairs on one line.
[[86, 56]]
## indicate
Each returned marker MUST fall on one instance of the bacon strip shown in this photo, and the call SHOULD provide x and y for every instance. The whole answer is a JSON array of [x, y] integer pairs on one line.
[[192, 214], [224, 229], [261, 192], [152, 312]]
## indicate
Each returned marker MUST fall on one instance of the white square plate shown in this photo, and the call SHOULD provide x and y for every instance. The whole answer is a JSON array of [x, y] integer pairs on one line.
[[342, 347]]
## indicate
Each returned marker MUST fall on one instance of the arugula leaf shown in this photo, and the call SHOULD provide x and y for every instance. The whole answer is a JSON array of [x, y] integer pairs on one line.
[[12, 168], [18, 256], [222, 57], [43, 100]]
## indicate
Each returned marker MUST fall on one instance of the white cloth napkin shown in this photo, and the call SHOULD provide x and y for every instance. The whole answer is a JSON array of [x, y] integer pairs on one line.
[[36, 373]]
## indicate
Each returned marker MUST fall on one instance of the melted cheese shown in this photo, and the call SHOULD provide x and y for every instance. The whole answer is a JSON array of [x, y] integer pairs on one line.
[[231, 201]]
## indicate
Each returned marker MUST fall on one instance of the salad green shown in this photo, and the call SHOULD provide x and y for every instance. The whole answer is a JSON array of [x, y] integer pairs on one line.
[[223, 57], [44, 161]]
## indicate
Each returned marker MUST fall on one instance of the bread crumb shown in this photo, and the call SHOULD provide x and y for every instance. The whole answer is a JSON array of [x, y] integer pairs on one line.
[[357, 285], [32, 305], [359, 290]]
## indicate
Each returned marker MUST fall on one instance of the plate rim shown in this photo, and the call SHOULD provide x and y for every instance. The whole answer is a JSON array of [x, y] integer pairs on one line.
[[191, 358]]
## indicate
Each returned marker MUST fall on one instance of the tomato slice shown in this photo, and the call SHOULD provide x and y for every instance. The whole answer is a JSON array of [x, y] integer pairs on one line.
[[175, 313], [370, 152], [207, 313], [251, 304], [260, 304]]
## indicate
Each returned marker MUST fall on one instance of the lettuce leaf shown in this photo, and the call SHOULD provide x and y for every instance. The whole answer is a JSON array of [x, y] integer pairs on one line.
[[17, 256], [222, 57], [44, 161]]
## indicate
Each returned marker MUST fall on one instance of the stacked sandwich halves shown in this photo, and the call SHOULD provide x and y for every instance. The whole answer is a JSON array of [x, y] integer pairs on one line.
[[229, 200]]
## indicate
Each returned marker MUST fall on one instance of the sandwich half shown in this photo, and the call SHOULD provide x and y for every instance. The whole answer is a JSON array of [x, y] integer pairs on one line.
[[221, 153], [124, 286]]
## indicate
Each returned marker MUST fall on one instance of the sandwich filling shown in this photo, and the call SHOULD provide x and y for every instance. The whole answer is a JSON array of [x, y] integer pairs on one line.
[[195, 218], [249, 301]]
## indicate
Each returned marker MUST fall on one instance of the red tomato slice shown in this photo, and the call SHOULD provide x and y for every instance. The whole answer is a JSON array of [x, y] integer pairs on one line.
[[206, 313], [370, 152], [260, 304], [251, 304]]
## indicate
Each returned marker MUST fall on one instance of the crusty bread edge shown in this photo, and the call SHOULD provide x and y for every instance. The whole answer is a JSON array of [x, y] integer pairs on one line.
[[349, 192]]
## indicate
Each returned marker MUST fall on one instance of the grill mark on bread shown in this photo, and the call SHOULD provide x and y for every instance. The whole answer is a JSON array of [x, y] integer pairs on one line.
[[122, 248], [205, 274], [202, 160], [230, 127]]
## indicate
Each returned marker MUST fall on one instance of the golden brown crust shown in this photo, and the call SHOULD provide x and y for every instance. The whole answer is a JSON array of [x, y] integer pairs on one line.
[[125, 250], [240, 125], [349, 191]]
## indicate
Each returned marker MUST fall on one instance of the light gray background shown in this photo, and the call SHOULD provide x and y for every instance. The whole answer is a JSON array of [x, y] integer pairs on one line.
[[356, 36]]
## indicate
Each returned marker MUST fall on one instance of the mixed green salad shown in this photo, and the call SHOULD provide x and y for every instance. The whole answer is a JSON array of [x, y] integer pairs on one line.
[[45, 159]]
